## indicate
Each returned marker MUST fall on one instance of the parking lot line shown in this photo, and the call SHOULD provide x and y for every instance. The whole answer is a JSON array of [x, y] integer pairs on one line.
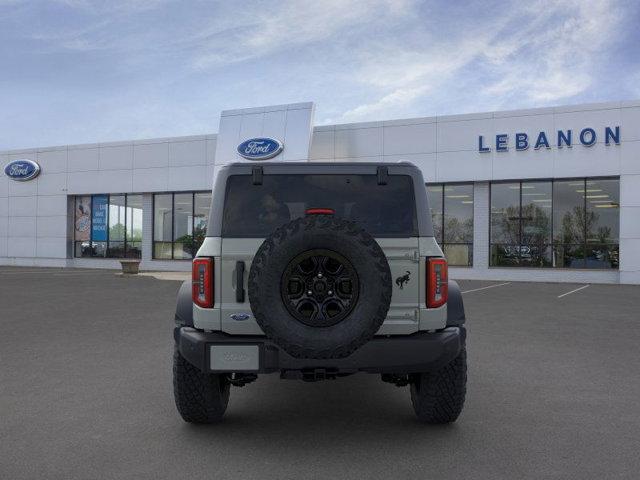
[[573, 291], [484, 288]]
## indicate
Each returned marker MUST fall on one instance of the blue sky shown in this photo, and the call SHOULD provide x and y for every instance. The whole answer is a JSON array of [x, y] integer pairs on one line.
[[76, 71]]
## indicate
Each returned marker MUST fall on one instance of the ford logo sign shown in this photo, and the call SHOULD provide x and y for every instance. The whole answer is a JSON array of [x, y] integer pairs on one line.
[[240, 317], [260, 148], [22, 170]]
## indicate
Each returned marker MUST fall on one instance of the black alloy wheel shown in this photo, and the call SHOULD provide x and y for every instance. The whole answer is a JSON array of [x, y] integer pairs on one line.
[[319, 287]]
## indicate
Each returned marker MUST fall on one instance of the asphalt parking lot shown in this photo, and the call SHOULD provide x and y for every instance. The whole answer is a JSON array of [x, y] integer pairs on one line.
[[85, 392]]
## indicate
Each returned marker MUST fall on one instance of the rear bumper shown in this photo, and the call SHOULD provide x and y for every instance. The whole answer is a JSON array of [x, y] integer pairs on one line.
[[420, 352]]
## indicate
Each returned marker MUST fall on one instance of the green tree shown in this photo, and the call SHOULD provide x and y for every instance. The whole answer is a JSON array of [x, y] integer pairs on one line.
[[116, 232]]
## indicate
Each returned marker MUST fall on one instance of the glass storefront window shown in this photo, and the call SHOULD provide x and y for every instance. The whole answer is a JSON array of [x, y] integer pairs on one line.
[[201, 206], [117, 219], [183, 225], [564, 223], [569, 223], [162, 225], [82, 226], [134, 226], [505, 224], [603, 211], [108, 226], [436, 205], [535, 234], [180, 223], [603, 223], [451, 208]]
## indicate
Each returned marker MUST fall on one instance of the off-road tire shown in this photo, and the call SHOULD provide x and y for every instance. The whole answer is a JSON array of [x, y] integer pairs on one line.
[[304, 234], [200, 397], [438, 397]]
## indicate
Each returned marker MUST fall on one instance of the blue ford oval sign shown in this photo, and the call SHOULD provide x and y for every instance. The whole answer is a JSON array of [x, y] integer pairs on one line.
[[22, 170], [260, 148]]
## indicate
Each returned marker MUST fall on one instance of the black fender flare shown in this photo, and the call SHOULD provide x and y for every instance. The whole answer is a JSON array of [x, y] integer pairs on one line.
[[455, 306], [184, 306]]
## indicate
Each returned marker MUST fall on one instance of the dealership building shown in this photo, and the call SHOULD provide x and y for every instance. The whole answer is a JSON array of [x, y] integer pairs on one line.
[[548, 194]]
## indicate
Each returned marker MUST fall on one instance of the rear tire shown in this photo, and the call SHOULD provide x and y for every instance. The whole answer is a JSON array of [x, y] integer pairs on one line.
[[438, 397], [200, 397]]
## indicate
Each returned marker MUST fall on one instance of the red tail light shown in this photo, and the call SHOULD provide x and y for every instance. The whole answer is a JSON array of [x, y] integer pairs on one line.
[[320, 211], [202, 278], [437, 282]]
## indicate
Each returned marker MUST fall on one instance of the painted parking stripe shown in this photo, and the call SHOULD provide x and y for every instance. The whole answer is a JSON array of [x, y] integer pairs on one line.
[[573, 291], [485, 288]]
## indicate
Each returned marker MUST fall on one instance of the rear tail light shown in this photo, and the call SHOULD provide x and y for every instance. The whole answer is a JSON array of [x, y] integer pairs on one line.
[[202, 282], [320, 211], [437, 282]]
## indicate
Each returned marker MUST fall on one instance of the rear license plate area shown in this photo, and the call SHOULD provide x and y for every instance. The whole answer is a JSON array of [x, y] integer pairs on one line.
[[234, 358]]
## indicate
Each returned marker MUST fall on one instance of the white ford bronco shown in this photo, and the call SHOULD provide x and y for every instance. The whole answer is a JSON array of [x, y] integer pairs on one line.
[[317, 271]]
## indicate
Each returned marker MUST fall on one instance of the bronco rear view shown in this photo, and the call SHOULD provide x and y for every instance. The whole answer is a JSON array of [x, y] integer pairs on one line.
[[317, 271]]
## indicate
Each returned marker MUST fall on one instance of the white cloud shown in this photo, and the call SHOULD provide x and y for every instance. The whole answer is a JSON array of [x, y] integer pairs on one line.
[[397, 98], [405, 76], [544, 52], [555, 63], [160, 67], [256, 33]]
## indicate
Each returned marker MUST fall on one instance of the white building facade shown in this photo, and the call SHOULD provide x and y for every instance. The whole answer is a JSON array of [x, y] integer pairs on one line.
[[550, 194]]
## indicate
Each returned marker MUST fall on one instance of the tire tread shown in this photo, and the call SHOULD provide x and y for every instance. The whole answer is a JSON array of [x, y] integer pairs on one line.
[[199, 397]]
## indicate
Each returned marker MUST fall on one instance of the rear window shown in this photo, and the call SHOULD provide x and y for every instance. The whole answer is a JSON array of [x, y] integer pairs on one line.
[[256, 210]]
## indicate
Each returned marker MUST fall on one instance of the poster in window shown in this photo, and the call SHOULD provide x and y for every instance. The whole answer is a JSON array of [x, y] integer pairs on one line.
[[83, 219], [99, 218]]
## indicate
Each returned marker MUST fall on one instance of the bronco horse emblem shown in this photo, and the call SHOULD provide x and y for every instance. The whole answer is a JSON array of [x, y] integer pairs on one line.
[[400, 281]]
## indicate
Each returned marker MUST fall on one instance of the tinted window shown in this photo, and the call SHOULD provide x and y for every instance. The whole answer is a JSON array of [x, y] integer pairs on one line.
[[256, 210]]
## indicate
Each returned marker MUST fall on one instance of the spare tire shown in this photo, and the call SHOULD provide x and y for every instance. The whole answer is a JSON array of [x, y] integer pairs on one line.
[[320, 287]]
